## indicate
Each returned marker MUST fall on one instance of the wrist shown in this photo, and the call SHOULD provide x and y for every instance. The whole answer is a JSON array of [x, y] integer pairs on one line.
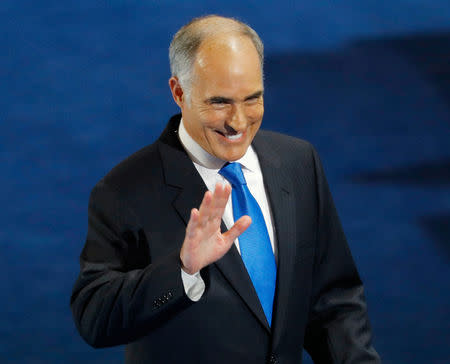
[[186, 269]]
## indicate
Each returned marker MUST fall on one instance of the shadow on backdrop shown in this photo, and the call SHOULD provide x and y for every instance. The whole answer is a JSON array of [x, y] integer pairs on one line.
[[378, 111]]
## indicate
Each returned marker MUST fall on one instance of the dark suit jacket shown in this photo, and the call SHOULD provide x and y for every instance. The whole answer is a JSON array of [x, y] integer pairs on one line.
[[130, 290]]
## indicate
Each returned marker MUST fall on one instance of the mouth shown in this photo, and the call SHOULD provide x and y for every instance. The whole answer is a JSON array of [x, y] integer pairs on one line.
[[230, 136]]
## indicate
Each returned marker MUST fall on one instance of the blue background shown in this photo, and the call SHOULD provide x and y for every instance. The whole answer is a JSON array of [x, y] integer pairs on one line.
[[84, 84]]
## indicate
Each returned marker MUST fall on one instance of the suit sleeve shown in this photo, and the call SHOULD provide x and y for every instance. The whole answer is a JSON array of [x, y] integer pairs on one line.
[[120, 294], [338, 330]]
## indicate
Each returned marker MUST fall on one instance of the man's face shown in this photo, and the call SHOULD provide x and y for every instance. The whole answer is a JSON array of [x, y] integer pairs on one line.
[[226, 102]]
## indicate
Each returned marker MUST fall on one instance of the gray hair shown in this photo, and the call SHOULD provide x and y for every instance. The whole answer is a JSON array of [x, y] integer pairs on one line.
[[185, 43]]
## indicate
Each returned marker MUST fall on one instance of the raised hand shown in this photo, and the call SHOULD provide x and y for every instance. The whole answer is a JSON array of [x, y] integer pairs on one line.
[[204, 243]]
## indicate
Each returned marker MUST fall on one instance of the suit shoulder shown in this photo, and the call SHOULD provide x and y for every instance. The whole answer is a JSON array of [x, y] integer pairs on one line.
[[297, 157], [285, 145], [140, 167]]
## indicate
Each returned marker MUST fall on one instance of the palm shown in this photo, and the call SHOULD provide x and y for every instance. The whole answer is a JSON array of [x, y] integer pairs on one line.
[[204, 243]]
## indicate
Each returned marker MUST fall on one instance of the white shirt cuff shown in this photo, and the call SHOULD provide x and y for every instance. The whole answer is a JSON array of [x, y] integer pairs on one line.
[[194, 286]]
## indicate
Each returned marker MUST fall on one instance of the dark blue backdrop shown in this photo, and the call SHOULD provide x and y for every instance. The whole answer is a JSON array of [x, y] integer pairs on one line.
[[84, 84]]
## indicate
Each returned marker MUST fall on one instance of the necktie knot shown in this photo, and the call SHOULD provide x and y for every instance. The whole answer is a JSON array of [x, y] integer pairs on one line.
[[233, 173]]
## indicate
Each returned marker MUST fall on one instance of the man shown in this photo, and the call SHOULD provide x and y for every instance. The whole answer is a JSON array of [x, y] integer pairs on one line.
[[260, 270]]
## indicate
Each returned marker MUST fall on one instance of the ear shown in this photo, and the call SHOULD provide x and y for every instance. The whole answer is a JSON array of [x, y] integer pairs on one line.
[[177, 91]]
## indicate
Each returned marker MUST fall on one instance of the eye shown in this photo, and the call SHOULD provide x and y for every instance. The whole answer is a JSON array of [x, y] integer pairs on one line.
[[252, 100], [219, 103]]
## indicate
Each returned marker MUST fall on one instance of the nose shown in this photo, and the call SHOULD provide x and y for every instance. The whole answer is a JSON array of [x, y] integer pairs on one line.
[[238, 120]]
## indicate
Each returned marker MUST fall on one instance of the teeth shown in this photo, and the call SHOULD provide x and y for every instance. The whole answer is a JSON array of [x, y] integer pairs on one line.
[[234, 137]]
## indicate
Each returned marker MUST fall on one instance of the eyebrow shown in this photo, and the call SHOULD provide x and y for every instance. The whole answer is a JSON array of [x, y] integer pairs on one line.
[[219, 99], [254, 95], [227, 100]]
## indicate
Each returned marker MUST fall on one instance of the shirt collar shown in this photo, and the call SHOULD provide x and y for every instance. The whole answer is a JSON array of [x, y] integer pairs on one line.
[[200, 156]]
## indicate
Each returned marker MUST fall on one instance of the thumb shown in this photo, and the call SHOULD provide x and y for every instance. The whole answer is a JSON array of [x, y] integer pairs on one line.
[[237, 229]]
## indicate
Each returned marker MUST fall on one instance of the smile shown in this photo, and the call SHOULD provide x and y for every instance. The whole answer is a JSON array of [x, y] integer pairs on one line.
[[234, 137], [230, 137]]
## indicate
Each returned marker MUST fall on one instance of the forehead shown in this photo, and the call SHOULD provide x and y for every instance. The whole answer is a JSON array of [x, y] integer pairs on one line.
[[228, 62]]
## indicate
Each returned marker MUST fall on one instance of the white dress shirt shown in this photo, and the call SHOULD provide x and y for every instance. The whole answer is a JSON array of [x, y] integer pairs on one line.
[[208, 167]]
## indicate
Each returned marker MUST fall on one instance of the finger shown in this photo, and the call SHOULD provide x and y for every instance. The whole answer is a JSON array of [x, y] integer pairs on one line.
[[218, 188], [217, 196], [221, 199], [237, 229], [226, 191], [192, 223], [205, 208]]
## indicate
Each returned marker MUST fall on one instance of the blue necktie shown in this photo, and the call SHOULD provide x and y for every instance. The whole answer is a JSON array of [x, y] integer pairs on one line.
[[254, 243]]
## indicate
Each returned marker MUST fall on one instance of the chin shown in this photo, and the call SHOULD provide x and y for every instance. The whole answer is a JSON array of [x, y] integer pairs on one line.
[[233, 156]]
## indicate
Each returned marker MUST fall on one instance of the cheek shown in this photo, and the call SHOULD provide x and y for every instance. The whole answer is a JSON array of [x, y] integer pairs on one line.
[[214, 118], [255, 112]]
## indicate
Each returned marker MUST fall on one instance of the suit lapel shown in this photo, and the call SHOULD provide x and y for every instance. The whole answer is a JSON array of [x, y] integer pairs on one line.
[[233, 268], [281, 196], [179, 172]]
